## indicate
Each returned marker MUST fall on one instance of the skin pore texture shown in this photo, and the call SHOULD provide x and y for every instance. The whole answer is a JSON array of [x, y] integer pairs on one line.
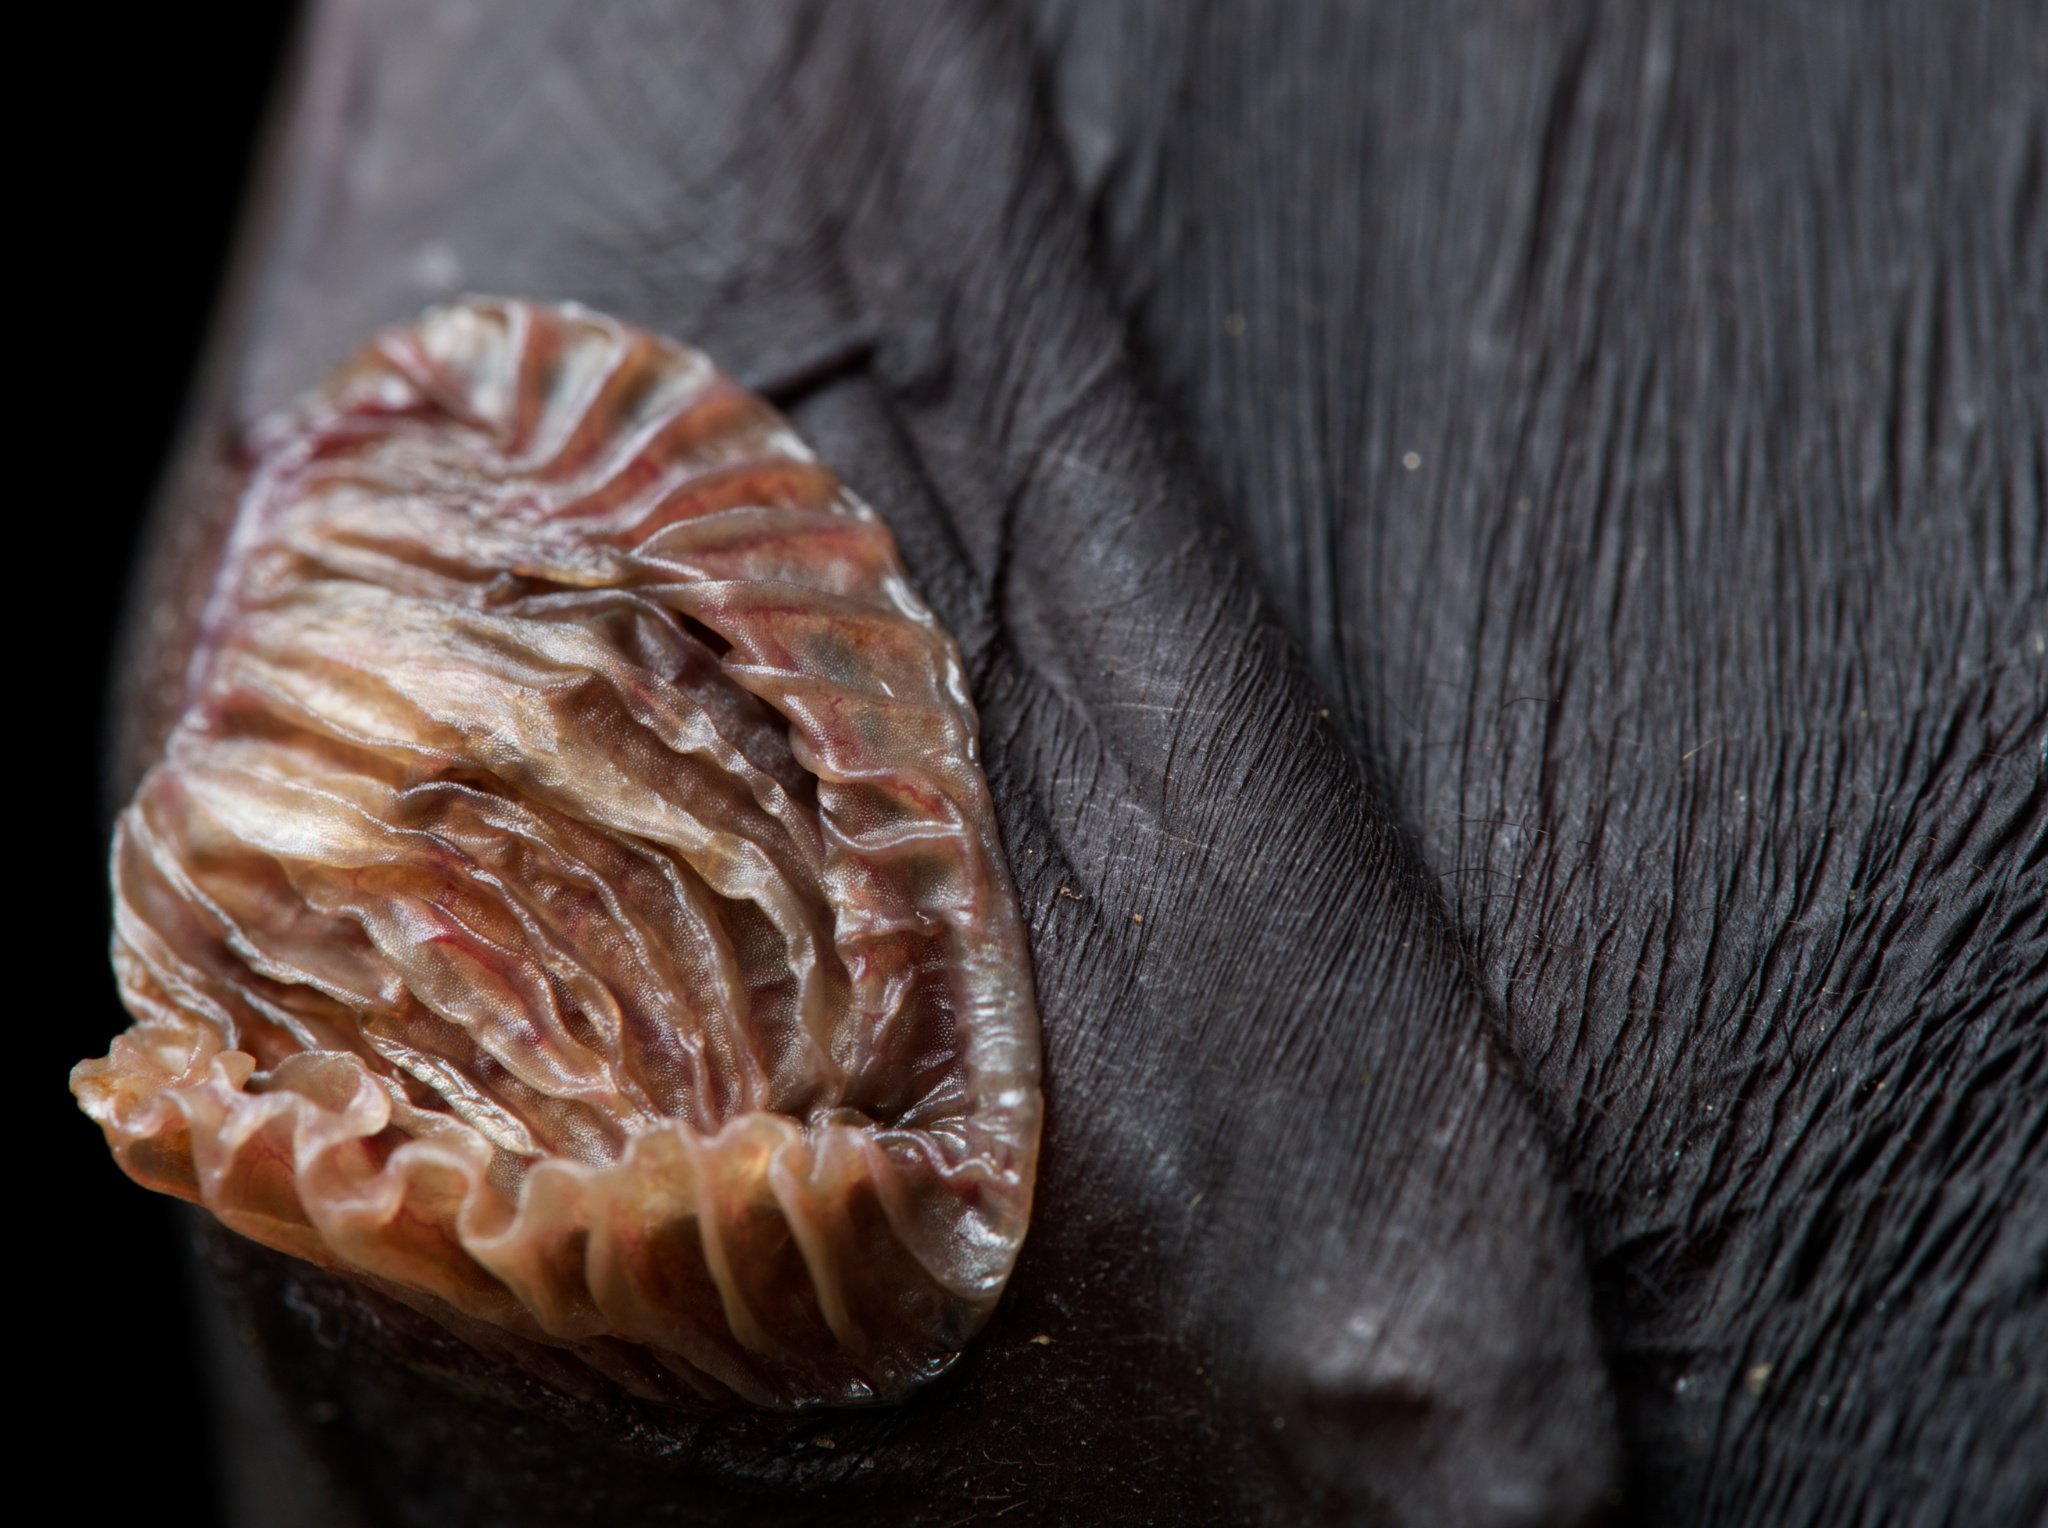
[[1504, 608]]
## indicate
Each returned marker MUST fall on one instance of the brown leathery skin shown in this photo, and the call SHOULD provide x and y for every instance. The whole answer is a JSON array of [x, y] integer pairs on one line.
[[1661, 397], [1635, 413], [1298, 1249]]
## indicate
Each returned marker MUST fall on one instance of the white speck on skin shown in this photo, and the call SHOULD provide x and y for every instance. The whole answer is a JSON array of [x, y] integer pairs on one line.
[[435, 266]]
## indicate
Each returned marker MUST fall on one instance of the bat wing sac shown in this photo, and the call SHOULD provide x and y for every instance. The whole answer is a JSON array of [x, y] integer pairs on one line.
[[569, 899]]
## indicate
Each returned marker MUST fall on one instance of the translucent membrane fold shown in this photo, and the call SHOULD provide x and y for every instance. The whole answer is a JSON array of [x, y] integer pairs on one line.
[[570, 899]]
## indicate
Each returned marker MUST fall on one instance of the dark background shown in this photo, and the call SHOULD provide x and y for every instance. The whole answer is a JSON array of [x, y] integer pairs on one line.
[[135, 222]]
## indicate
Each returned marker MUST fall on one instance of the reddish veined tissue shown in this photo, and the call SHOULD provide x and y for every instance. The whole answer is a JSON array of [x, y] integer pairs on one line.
[[570, 900]]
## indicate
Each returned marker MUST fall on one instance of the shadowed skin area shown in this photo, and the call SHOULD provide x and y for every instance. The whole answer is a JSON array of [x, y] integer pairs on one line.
[[1137, 394], [1640, 414]]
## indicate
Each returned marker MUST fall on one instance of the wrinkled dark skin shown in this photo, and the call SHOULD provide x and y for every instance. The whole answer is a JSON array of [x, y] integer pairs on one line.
[[1543, 949]]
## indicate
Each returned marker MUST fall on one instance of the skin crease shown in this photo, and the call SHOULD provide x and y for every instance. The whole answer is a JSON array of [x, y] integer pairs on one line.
[[1702, 639], [1301, 1249]]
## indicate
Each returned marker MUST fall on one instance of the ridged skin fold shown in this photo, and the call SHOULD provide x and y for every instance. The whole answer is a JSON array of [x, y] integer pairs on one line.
[[571, 900]]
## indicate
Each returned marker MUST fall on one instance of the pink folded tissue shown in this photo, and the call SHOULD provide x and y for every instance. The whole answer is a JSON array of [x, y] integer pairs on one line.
[[570, 901]]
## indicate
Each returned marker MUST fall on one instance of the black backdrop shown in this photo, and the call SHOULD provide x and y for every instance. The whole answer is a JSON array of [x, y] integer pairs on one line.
[[140, 173]]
